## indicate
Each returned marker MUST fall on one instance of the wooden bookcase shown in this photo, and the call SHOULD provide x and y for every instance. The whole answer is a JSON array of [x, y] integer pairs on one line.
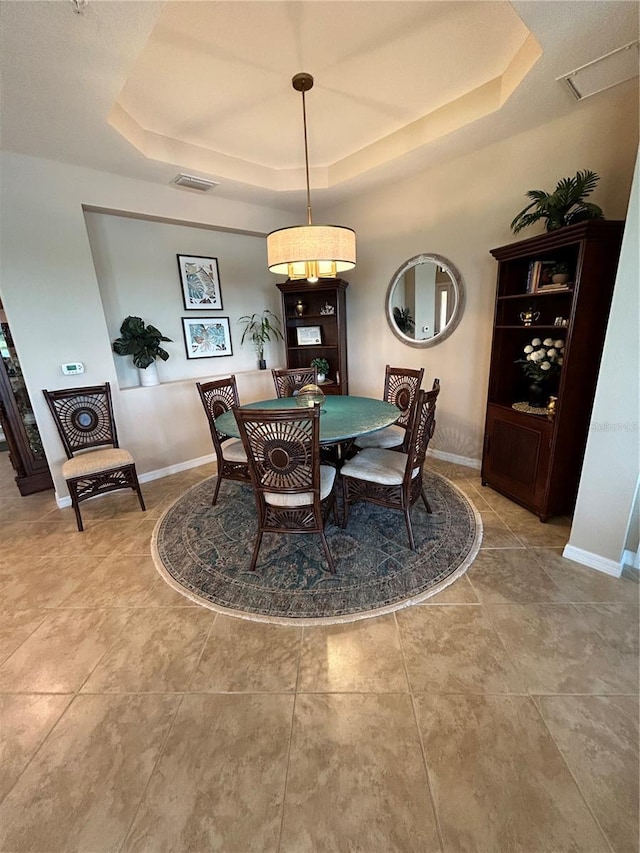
[[315, 300], [536, 459]]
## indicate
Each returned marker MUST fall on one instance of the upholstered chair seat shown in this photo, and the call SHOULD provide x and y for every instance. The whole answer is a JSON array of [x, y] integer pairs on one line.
[[95, 464], [401, 385], [378, 466], [94, 461], [233, 451], [392, 478], [294, 493], [392, 436], [327, 479]]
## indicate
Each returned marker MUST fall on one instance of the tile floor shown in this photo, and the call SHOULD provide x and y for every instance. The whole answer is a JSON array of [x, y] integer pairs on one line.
[[500, 716]]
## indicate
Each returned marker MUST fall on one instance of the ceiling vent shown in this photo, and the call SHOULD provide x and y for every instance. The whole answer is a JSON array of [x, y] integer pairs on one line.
[[609, 70], [192, 182]]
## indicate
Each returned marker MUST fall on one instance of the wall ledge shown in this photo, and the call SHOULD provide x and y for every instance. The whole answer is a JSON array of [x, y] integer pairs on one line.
[[593, 561]]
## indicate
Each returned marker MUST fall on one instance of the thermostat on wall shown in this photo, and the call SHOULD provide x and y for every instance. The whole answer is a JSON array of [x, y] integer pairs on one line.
[[73, 368]]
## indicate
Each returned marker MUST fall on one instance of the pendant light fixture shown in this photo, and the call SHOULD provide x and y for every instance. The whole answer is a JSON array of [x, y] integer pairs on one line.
[[310, 251]]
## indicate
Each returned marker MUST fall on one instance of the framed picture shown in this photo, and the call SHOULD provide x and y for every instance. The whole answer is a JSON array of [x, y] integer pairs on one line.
[[200, 281], [308, 335], [207, 337]]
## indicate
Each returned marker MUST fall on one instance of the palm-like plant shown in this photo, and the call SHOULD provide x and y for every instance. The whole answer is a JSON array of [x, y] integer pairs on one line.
[[259, 328], [564, 206]]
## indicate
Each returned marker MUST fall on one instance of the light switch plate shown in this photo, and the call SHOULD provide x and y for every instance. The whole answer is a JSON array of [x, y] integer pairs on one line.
[[73, 368]]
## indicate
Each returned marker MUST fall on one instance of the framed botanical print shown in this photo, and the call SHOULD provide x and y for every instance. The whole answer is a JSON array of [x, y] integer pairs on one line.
[[200, 281], [207, 337]]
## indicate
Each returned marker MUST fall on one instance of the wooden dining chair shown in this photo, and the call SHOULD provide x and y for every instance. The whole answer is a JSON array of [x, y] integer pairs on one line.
[[217, 397], [96, 464], [401, 386], [294, 493], [391, 478], [289, 382]]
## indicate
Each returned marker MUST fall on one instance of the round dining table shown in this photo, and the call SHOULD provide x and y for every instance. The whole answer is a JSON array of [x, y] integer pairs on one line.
[[341, 417]]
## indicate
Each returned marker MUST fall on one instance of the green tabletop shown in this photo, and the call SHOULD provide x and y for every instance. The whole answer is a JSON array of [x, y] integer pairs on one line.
[[341, 418]]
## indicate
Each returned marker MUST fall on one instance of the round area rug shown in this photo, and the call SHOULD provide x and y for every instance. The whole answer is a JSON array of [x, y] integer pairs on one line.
[[204, 552]]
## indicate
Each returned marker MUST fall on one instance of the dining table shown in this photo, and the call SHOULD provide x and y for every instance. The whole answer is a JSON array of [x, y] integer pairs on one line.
[[342, 417]]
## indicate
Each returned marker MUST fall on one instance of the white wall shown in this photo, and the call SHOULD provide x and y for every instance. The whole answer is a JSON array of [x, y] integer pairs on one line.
[[609, 479], [461, 210], [50, 292], [137, 274]]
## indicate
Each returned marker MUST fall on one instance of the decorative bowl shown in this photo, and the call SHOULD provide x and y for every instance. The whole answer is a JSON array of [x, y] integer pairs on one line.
[[309, 395]]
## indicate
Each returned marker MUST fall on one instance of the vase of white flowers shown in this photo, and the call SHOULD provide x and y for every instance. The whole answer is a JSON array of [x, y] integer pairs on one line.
[[542, 365]]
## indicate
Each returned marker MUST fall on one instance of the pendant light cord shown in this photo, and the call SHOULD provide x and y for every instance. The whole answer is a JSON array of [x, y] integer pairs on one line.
[[306, 158]]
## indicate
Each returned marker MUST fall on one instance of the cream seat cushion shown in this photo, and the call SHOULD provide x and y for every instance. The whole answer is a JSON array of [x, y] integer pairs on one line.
[[327, 477], [94, 461], [233, 451], [391, 436], [378, 466]]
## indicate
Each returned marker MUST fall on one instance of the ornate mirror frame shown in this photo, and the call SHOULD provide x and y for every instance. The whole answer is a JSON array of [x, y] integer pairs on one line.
[[458, 309]]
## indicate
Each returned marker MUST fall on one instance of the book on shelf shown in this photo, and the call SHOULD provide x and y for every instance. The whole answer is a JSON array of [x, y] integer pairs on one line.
[[551, 288], [532, 276]]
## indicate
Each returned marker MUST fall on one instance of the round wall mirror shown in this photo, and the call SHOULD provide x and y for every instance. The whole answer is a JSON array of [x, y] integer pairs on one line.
[[425, 300]]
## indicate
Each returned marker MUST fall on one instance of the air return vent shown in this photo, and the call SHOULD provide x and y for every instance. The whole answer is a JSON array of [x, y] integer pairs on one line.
[[192, 182], [603, 73]]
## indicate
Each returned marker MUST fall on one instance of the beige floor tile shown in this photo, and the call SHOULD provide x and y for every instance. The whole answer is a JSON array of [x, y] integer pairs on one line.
[[19, 509], [616, 623], [244, 656], [157, 652], [138, 541], [15, 627], [499, 781], [459, 592], [510, 576], [533, 533], [25, 721], [59, 655], [123, 581], [598, 737], [81, 791], [356, 780], [362, 656], [578, 583], [45, 581], [100, 539], [476, 497], [557, 651], [219, 785], [496, 534], [455, 649], [163, 595]]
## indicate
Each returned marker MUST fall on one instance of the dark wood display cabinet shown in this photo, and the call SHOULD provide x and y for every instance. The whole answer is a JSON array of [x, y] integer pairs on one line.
[[19, 423], [531, 454], [315, 322]]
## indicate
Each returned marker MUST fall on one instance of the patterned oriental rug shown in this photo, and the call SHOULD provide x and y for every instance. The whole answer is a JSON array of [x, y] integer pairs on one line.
[[204, 553]]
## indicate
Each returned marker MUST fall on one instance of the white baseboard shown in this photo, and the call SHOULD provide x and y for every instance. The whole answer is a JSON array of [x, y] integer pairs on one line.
[[453, 457], [593, 561], [631, 559], [155, 475]]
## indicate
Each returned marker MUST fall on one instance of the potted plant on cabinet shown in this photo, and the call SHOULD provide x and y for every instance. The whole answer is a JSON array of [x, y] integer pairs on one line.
[[566, 205], [143, 343], [322, 366], [258, 328]]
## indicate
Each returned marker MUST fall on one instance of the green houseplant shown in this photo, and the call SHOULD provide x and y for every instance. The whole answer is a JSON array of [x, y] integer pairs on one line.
[[322, 366], [564, 206], [143, 343], [258, 328], [404, 321]]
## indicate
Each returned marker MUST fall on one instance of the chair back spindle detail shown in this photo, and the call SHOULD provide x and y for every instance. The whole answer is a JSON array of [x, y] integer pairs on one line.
[[86, 425], [293, 492], [390, 478], [218, 397], [401, 386], [289, 381]]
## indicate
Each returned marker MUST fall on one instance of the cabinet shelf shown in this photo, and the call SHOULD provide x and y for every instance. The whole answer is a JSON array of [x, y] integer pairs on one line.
[[333, 328], [529, 458]]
